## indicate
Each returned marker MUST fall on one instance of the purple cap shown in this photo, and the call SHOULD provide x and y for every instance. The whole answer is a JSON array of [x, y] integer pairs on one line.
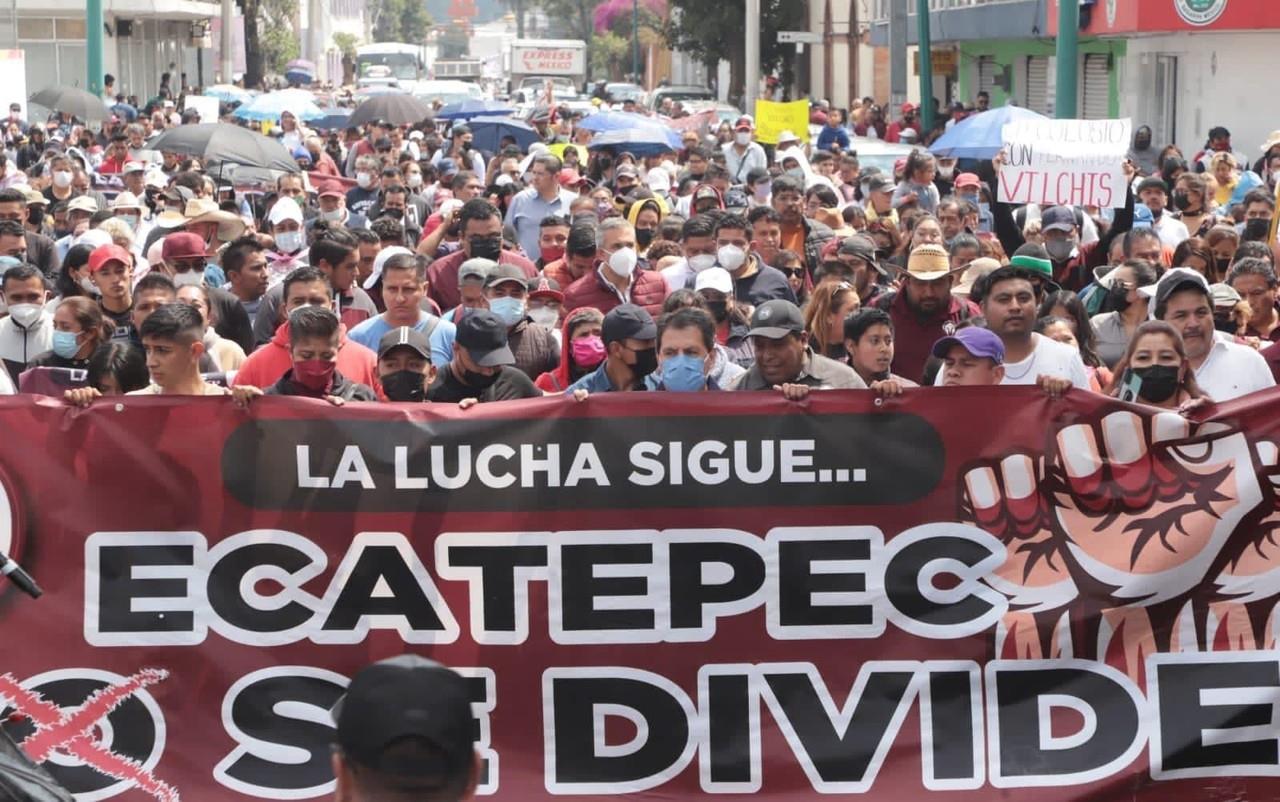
[[980, 342]]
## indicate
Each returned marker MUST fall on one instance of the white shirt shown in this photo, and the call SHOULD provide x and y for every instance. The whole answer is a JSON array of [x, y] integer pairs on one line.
[[22, 345], [1048, 358], [1232, 370], [1172, 232], [677, 275]]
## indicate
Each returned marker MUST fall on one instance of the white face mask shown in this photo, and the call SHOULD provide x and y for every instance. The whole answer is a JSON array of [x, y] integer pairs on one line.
[[334, 216], [742, 137], [88, 286], [731, 257], [191, 278], [701, 262], [62, 179], [289, 241], [25, 315], [623, 262], [364, 180], [130, 219], [544, 316], [414, 180]]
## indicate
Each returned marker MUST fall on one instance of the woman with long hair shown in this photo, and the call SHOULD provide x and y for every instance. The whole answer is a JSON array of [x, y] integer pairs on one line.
[[829, 304], [78, 329], [1155, 370], [1195, 254], [1124, 308]]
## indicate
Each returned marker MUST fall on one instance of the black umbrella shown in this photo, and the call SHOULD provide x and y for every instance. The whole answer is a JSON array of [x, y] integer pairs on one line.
[[396, 108], [69, 100], [226, 143]]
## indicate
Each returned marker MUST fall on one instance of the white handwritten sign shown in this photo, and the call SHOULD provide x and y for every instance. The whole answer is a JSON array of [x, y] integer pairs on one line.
[[1065, 162]]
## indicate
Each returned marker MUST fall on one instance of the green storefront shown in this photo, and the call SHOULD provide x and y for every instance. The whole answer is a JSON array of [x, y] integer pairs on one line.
[[1022, 70]]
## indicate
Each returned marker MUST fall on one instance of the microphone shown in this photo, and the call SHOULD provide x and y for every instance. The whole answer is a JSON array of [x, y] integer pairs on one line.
[[19, 577]]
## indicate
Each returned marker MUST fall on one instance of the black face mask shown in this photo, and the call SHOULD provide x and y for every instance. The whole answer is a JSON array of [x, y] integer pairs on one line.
[[1256, 230], [394, 214], [486, 248], [1224, 324], [644, 236], [405, 385], [480, 381], [1223, 265], [1117, 299], [35, 215], [719, 310], [646, 362], [1159, 382], [1181, 201]]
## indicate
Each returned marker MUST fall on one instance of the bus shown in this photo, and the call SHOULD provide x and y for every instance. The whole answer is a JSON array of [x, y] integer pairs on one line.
[[388, 63]]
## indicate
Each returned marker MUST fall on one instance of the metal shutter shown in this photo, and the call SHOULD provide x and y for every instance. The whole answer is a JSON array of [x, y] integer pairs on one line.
[[1096, 92], [986, 74], [1037, 86]]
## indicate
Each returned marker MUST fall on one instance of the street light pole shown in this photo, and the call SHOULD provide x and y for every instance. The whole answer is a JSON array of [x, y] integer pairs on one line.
[[1068, 57], [926, 65], [751, 64], [635, 39], [93, 46]]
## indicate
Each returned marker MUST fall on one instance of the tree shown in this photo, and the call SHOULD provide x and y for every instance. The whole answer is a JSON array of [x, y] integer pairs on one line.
[[269, 38], [577, 18], [400, 21], [711, 31]]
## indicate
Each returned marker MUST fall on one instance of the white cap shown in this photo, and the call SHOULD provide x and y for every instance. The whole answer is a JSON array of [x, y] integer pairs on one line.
[[417, 135], [787, 136], [714, 278], [94, 238], [285, 209], [659, 180], [381, 260], [125, 200]]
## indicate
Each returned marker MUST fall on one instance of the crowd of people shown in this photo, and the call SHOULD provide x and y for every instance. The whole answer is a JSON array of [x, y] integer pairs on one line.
[[402, 263]]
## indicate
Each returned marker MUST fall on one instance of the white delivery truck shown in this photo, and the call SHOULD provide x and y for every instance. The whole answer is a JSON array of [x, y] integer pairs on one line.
[[532, 62]]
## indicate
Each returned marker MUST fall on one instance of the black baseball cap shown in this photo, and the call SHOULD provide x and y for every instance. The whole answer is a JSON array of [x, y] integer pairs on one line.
[[776, 319], [862, 248], [407, 696], [879, 183], [1058, 218], [405, 337], [1153, 182], [484, 336], [628, 322]]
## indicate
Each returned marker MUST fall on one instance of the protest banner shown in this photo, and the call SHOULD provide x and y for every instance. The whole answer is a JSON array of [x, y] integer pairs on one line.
[[717, 595], [1065, 162], [772, 118]]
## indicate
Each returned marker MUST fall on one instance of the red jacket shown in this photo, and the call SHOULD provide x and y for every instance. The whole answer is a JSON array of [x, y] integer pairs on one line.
[[558, 379], [442, 276], [648, 289], [265, 366]]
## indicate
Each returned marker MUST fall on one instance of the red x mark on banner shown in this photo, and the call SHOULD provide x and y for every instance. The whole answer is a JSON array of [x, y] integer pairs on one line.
[[69, 730]]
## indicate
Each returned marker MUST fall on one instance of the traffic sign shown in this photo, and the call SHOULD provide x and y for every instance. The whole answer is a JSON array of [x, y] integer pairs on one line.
[[799, 38]]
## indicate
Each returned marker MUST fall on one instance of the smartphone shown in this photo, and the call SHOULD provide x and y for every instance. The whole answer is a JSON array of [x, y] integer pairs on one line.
[[1130, 386]]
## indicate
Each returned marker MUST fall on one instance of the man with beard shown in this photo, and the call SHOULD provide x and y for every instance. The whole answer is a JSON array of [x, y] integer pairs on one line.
[[1029, 358], [924, 309], [1224, 370], [859, 254]]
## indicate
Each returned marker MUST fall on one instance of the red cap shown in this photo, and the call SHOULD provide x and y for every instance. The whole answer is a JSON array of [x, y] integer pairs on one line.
[[967, 180], [569, 178], [907, 108], [543, 287], [182, 245], [108, 253], [331, 192], [743, 124]]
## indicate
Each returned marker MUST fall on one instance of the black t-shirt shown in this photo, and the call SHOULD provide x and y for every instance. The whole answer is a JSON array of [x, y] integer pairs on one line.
[[511, 383], [122, 325], [766, 284]]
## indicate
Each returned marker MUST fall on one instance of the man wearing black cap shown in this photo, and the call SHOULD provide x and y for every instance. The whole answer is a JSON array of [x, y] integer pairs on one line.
[[405, 731], [630, 339], [878, 191], [859, 254], [483, 365], [784, 359], [404, 365], [1154, 194]]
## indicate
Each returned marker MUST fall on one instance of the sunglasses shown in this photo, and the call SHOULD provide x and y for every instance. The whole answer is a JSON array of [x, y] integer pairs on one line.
[[793, 272]]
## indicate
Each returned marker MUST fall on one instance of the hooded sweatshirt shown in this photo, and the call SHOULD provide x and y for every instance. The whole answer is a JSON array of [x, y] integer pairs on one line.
[[657, 204], [265, 366], [558, 379]]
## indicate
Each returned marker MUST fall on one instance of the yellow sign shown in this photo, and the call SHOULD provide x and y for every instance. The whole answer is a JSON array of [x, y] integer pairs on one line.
[[944, 62], [773, 118]]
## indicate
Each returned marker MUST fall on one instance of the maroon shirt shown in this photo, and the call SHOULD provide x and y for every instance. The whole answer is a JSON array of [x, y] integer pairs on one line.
[[914, 336], [442, 275]]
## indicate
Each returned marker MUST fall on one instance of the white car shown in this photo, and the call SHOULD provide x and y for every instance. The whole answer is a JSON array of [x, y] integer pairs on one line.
[[448, 91], [878, 153]]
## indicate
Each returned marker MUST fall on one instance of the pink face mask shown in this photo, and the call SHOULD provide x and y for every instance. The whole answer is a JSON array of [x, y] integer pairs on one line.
[[588, 352]]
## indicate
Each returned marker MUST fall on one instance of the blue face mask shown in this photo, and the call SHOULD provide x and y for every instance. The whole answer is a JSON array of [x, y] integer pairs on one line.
[[509, 310], [66, 344], [683, 373]]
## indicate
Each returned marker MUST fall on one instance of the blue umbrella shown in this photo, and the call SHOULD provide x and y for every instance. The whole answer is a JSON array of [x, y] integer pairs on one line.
[[979, 136], [466, 109], [333, 119], [617, 120], [228, 93], [487, 133], [300, 103], [640, 141]]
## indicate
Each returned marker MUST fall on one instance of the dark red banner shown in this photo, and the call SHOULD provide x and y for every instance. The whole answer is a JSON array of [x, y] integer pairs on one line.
[[976, 592]]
